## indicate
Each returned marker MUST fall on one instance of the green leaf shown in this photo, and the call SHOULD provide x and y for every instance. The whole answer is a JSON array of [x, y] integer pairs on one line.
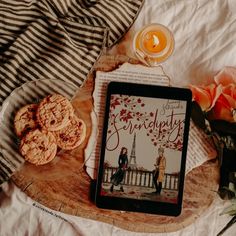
[[197, 116], [231, 213], [231, 210]]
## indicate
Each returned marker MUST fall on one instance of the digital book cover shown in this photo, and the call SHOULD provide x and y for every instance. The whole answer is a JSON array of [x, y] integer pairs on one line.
[[143, 152]]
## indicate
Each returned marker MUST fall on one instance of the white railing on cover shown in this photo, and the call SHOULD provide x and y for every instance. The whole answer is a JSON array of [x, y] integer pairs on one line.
[[142, 178]]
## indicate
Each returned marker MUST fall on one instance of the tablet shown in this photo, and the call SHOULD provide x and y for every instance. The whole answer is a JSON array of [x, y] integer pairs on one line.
[[143, 151]]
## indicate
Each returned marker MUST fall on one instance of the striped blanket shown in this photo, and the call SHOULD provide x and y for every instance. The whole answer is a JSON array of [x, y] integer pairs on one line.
[[56, 39]]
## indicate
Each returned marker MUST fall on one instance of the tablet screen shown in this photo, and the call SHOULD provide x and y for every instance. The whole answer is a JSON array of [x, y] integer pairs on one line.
[[144, 146]]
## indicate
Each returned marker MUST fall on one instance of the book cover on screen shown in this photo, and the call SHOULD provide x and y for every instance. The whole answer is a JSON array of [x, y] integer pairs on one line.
[[144, 143]]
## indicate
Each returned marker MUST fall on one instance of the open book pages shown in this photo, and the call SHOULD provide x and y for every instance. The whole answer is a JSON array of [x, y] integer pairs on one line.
[[200, 148]]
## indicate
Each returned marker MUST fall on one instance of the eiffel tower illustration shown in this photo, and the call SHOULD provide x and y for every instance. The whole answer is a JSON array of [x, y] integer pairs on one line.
[[132, 159]]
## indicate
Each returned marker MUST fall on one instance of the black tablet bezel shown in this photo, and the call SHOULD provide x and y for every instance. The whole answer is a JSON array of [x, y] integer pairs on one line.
[[146, 206]]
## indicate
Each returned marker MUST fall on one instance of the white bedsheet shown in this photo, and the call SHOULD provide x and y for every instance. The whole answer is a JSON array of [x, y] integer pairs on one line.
[[205, 36], [19, 215]]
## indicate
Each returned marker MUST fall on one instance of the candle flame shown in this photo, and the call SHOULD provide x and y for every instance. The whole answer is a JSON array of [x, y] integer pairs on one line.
[[155, 41]]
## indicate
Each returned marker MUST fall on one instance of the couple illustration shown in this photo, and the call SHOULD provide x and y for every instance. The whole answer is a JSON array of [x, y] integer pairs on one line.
[[158, 172]]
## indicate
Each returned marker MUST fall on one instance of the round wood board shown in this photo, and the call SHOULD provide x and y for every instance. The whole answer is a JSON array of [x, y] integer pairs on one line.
[[63, 185]]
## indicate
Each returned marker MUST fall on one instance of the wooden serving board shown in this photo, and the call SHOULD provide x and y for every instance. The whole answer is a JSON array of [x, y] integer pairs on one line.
[[63, 185]]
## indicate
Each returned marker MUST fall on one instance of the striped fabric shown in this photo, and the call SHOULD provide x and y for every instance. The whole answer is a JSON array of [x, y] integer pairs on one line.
[[56, 39]]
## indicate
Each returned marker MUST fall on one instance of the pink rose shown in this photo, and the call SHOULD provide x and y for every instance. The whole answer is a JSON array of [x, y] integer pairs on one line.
[[218, 99], [226, 76], [206, 96], [225, 105]]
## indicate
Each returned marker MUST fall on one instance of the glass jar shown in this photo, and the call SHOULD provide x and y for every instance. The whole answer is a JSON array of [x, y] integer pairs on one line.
[[153, 44]]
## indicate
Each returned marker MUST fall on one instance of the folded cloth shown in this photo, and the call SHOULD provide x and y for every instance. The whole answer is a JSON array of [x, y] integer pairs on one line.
[[60, 39]]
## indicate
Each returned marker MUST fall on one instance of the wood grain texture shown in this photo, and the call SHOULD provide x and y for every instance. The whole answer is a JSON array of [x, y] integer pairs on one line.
[[63, 184]]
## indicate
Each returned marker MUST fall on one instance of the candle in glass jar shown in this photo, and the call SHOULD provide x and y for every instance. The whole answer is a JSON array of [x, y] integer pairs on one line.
[[155, 43]]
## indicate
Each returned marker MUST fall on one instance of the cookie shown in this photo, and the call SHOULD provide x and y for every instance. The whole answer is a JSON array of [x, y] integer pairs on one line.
[[38, 147], [72, 135], [25, 119], [54, 112]]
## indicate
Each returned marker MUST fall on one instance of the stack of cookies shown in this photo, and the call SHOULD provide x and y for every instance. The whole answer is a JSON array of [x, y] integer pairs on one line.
[[46, 126]]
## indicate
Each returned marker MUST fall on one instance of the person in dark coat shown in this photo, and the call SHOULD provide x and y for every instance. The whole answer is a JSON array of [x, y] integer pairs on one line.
[[118, 176]]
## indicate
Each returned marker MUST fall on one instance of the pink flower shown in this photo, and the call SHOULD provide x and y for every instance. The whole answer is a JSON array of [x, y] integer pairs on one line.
[[206, 96], [226, 76], [218, 99], [225, 105]]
